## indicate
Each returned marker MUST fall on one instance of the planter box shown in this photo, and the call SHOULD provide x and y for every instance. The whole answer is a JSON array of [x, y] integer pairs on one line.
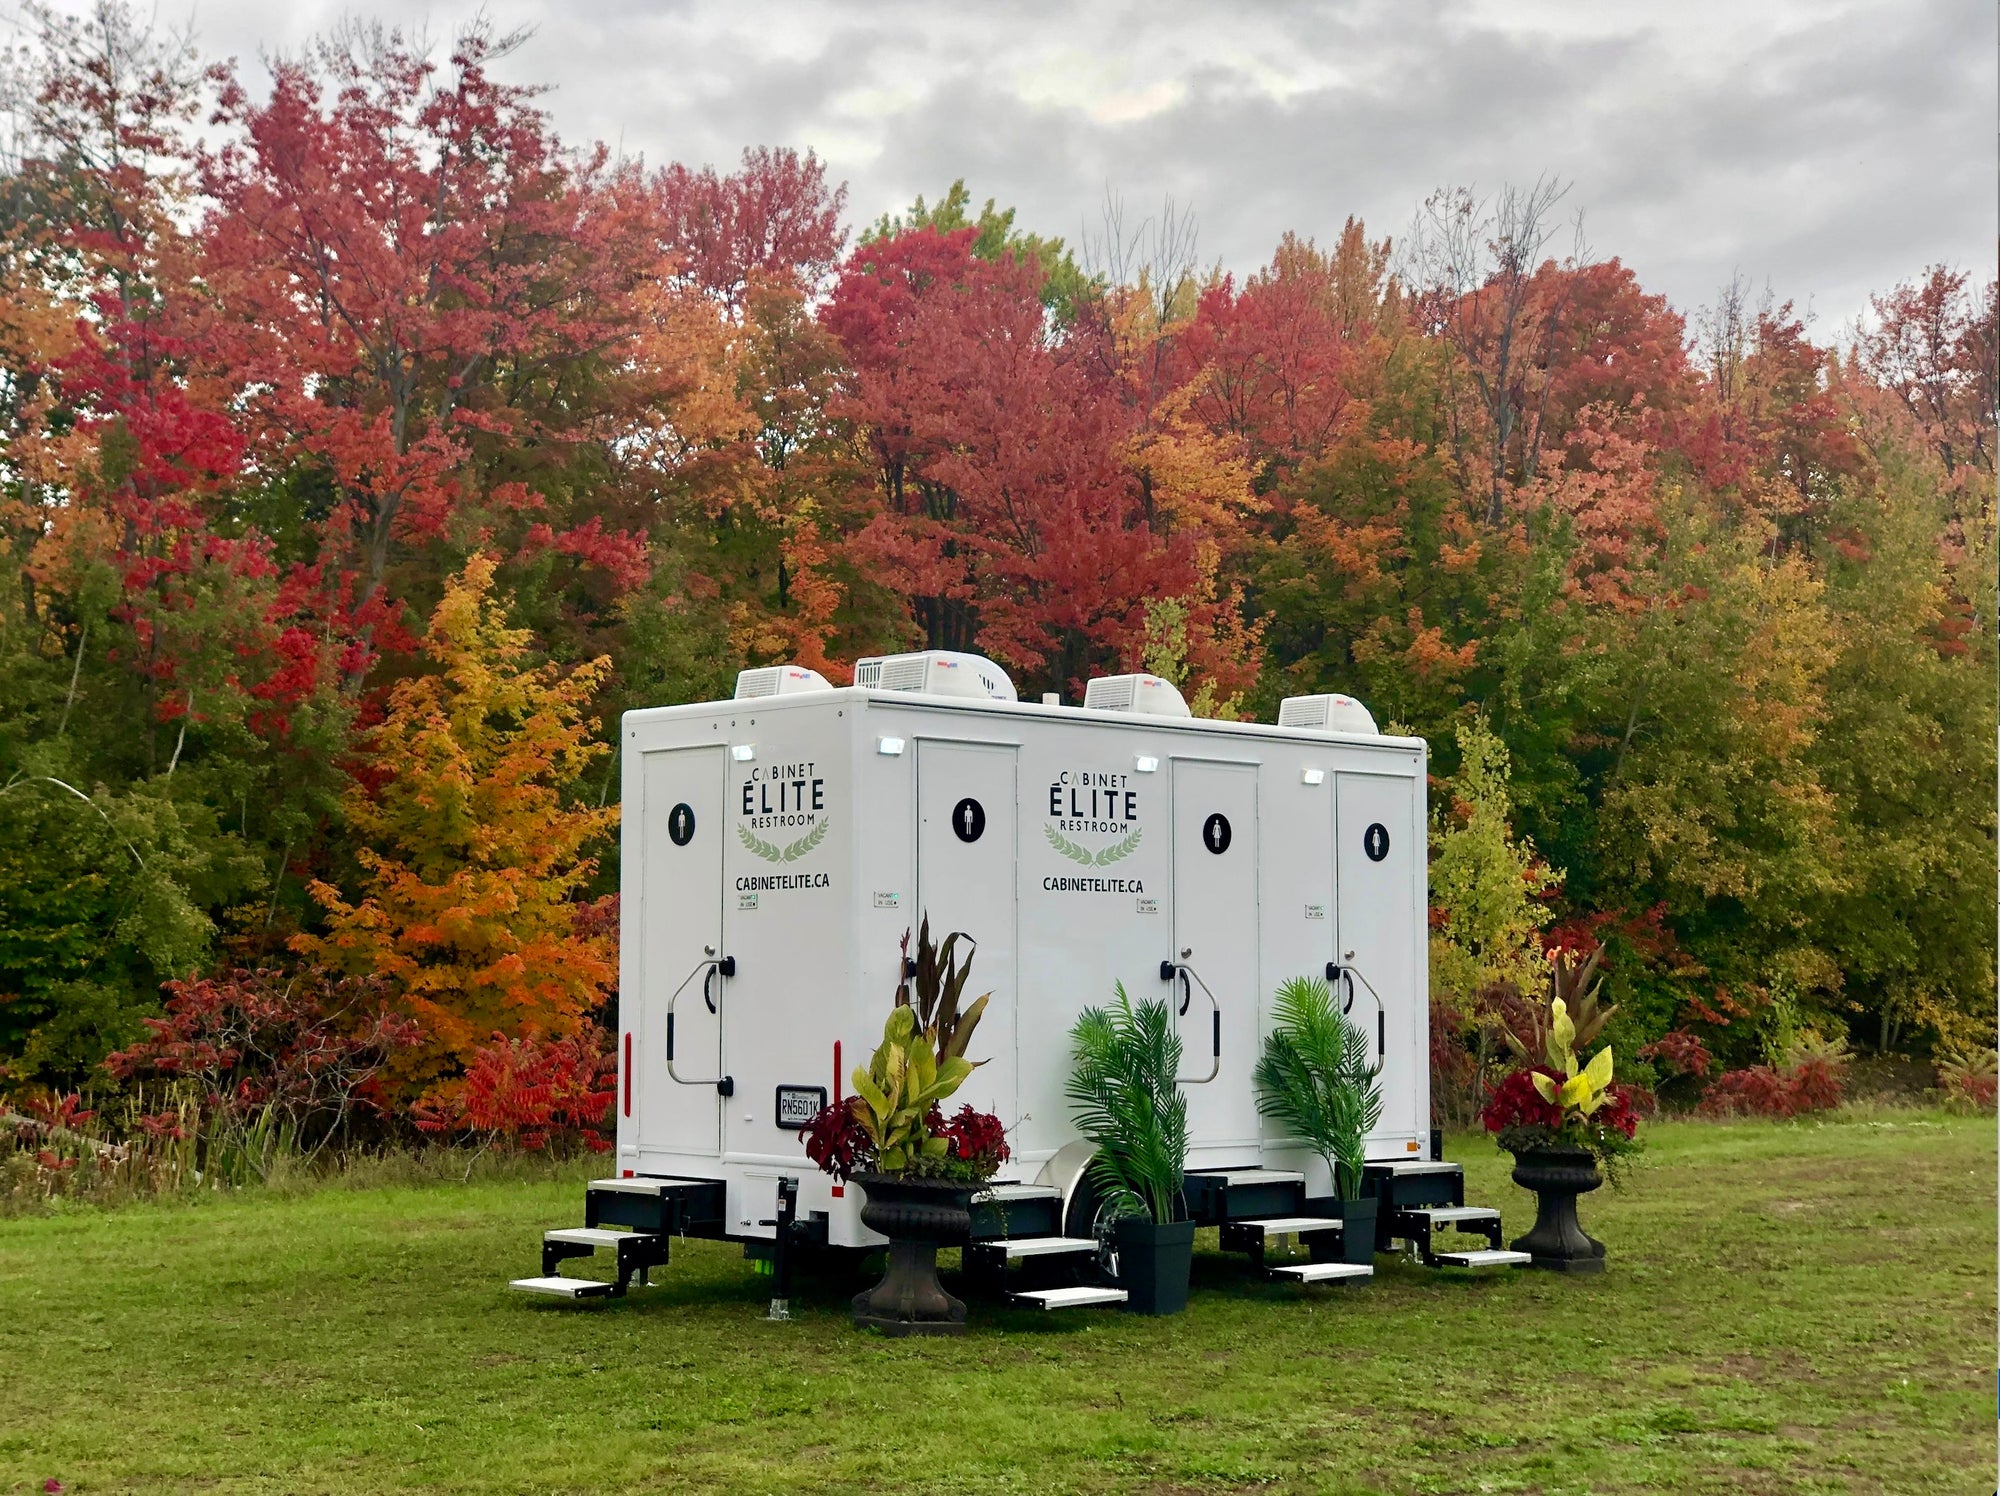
[[1154, 1261], [1357, 1232]]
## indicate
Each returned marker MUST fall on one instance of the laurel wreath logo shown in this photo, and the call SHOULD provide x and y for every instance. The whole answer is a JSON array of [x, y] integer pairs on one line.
[[1104, 857], [772, 852]]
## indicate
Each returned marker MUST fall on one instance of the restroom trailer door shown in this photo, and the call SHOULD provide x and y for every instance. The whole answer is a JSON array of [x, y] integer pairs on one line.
[[1215, 837], [1378, 866], [679, 925], [967, 881]]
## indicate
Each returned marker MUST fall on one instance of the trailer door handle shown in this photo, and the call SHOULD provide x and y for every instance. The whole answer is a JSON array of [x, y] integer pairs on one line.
[[707, 969], [1191, 979]]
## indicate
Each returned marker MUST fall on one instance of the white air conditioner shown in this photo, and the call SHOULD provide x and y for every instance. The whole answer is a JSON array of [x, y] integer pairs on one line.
[[778, 680], [1331, 712], [936, 672], [1147, 695]]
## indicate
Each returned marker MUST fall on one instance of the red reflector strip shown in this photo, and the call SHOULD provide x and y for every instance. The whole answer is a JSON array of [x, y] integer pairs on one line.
[[628, 1072]]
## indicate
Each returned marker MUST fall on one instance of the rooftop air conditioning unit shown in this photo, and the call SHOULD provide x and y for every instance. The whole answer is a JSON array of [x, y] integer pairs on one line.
[[778, 680], [936, 672], [1331, 712], [1147, 695]]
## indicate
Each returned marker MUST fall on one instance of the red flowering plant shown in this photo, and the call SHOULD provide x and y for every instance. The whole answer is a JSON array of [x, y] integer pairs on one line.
[[838, 1141]]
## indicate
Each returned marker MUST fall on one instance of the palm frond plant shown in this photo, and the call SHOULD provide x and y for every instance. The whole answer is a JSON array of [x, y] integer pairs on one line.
[[1316, 1080], [1126, 1099], [1125, 1095]]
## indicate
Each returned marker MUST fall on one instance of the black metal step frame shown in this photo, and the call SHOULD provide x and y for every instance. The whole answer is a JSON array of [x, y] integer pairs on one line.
[[1399, 1196]]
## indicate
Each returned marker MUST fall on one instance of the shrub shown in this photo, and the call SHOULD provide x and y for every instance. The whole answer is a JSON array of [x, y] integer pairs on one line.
[[1969, 1080], [281, 1063], [533, 1094], [1680, 1053], [1761, 1091]]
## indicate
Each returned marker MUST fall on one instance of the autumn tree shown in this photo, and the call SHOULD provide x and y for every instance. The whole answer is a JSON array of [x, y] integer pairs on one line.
[[419, 282], [471, 856]]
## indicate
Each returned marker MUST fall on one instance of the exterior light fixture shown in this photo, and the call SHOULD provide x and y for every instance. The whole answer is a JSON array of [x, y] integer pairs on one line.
[[889, 746], [743, 752], [1312, 776], [1145, 763]]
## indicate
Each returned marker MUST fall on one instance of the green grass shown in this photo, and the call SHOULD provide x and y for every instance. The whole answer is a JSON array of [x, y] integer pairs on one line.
[[1790, 1308]]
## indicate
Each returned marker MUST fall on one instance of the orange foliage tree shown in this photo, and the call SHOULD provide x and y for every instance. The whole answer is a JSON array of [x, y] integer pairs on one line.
[[471, 859]]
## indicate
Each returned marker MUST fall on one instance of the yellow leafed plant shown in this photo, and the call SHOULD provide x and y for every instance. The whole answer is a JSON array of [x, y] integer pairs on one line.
[[1583, 1092]]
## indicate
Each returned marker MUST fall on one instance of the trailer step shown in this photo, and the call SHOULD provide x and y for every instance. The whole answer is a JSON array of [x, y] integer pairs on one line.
[[1322, 1272], [1046, 1246], [1453, 1215], [655, 1186], [1012, 1192], [1404, 1168], [1491, 1257], [1238, 1177], [1067, 1298], [591, 1236], [564, 1288], [1291, 1225]]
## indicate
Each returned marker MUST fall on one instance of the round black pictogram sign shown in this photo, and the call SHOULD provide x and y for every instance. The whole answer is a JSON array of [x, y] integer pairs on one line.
[[680, 824], [968, 819], [1215, 833], [1375, 842]]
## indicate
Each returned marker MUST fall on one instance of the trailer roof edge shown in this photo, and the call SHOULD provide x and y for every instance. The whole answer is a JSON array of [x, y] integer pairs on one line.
[[640, 716]]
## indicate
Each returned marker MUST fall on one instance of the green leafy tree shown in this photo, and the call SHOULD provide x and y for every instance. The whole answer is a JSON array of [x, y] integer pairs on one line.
[[1065, 285]]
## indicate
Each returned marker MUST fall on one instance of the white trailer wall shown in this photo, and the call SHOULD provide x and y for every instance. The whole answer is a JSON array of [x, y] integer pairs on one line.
[[1078, 848]]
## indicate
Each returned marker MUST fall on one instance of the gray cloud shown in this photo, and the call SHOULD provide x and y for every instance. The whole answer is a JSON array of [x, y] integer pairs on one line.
[[1831, 149]]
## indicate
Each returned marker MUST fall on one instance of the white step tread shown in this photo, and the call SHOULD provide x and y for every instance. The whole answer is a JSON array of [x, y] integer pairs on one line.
[[1017, 1192], [1069, 1298], [563, 1288], [1292, 1225], [1406, 1167], [1490, 1257], [590, 1236], [638, 1186], [1251, 1176], [1446, 1215], [1323, 1272], [1047, 1246]]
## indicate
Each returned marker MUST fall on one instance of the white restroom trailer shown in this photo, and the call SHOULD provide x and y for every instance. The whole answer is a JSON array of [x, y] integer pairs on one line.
[[779, 848]]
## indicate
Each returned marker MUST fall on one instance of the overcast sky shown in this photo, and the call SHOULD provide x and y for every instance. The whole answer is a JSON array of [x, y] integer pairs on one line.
[[1829, 147]]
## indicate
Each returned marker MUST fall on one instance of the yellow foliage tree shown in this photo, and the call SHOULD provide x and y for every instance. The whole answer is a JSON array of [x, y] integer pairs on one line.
[[471, 860], [1488, 886]]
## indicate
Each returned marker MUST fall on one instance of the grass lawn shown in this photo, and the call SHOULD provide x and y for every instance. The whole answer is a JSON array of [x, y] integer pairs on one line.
[[1790, 1308]]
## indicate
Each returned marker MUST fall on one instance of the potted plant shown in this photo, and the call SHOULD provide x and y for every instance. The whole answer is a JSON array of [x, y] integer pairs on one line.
[[1565, 1123], [1127, 1100], [919, 1169], [1314, 1078]]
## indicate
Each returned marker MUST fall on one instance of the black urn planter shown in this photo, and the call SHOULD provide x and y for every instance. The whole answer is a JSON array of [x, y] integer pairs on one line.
[[918, 1216], [1557, 1176], [1154, 1261]]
